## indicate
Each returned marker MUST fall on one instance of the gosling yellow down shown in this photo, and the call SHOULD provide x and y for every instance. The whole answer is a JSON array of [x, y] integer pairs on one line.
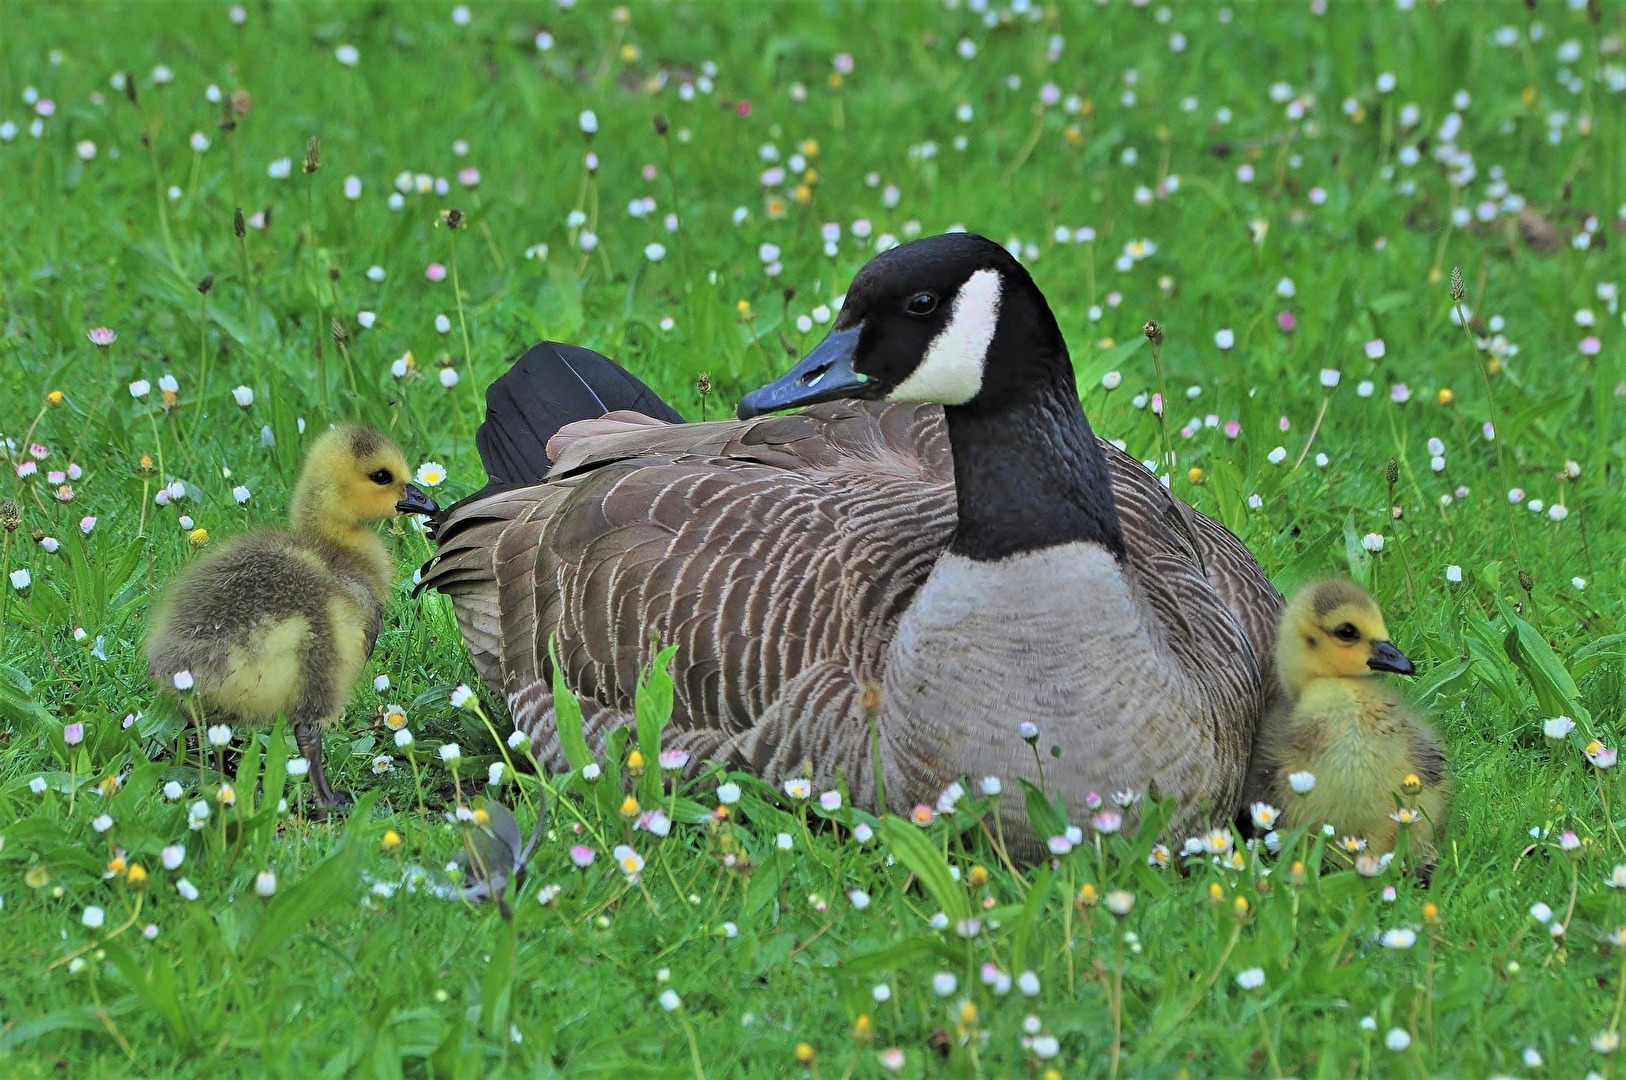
[[280, 621], [1376, 761]]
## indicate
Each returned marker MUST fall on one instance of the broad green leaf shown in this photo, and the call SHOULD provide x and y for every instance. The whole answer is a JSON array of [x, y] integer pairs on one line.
[[1047, 821], [1038, 895], [1556, 692], [567, 715], [912, 849], [327, 885], [652, 708], [897, 955]]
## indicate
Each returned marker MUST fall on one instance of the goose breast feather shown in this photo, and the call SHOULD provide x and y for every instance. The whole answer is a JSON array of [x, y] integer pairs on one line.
[[778, 555]]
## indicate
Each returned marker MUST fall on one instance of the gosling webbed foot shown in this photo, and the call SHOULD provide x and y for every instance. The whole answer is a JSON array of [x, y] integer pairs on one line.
[[324, 796], [334, 799]]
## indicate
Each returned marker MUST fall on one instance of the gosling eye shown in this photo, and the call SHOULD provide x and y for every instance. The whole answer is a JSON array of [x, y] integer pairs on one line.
[[1347, 633], [381, 476], [922, 304]]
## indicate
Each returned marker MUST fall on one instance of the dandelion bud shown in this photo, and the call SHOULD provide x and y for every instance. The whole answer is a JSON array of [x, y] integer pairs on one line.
[[1459, 292], [635, 763], [205, 283], [1431, 912], [1411, 785], [137, 876], [1153, 332], [1391, 472], [313, 155], [1089, 896], [453, 218], [661, 126], [978, 876], [804, 1054], [1239, 907], [340, 334], [11, 515], [238, 227]]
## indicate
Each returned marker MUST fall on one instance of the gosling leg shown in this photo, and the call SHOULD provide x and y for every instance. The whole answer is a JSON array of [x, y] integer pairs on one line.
[[309, 738]]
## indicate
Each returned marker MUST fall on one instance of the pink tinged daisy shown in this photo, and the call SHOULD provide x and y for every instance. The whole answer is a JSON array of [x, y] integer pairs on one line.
[[102, 336], [1107, 822], [435, 272], [582, 856], [673, 760]]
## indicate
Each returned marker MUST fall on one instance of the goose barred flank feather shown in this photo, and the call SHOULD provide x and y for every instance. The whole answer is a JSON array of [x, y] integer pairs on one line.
[[780, 555]]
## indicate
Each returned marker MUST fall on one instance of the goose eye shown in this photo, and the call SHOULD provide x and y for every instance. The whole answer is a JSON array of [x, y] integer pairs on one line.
[[1347, 632], [380, 476], [922, 304]]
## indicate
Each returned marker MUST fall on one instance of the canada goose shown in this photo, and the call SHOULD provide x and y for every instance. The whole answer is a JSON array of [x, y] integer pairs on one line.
[[960, 542], [1363, 744], [280, 621]]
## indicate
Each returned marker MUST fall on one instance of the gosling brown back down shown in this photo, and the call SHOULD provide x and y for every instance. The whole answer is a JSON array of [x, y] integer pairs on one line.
[[281, 621], [790, 559]]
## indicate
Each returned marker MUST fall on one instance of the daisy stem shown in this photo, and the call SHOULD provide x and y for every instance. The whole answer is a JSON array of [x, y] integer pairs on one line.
[[1191, 1002], [1118, 1004], [1609, 820], [1163, 400], [502, 748], [1620, 993], [1270, 1044], [694, 1047], [203, 367], [158, 189], [468, 350], [316, 289], [1326, 399], [253, 314], [1490, 408]]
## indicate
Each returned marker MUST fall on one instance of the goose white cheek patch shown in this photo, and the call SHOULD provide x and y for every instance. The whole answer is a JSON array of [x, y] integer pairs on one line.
[[951, 373]]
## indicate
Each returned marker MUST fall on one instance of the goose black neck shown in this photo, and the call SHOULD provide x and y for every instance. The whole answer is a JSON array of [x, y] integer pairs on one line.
[[1028, 474]]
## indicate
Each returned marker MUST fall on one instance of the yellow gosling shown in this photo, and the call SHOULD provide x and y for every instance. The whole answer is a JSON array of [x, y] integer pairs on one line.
[[1377, 763], [281, 621]]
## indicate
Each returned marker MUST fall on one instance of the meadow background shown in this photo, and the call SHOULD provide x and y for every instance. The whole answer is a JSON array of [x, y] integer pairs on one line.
[[1288, 189]]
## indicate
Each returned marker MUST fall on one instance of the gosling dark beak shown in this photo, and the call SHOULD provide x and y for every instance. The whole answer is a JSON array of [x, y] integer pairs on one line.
[[1385, 657], [416, 501], [824, 374]]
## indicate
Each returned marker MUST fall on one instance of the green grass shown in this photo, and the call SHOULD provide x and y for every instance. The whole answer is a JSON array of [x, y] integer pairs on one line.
[[328, 976]]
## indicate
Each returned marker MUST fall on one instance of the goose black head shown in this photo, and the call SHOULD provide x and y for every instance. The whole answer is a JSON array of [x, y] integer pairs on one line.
[[952, 320]]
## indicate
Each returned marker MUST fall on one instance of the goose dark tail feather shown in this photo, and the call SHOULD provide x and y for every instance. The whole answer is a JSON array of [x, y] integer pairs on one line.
[[550, 386]]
